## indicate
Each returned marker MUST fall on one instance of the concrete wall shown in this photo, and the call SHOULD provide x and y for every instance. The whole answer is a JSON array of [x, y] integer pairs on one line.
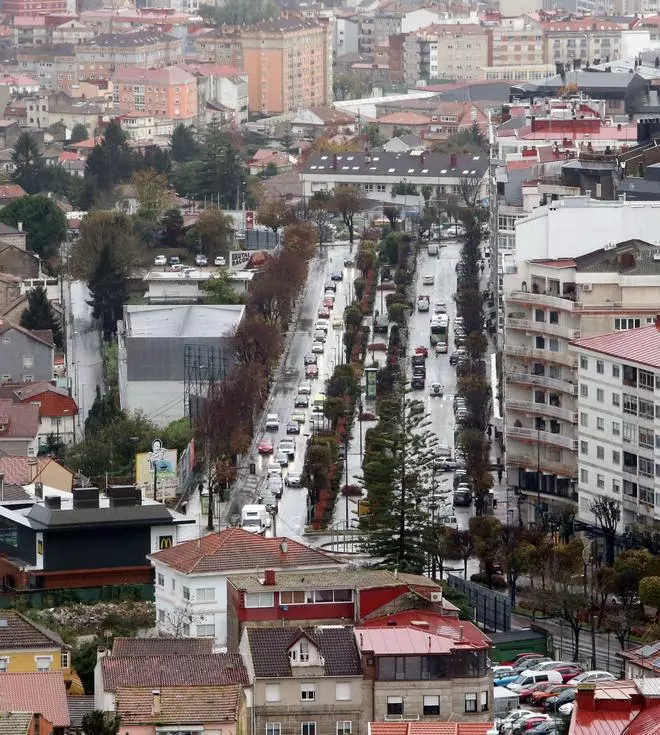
[[16, 352]]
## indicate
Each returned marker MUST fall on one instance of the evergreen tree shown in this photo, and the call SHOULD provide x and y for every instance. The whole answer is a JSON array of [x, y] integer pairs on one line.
[[79, 133], [111, 161], [220, 169], [108, 288], [28, 163], [41, 315], [104, 411], [43, 221], [183, 146], [405, 501]]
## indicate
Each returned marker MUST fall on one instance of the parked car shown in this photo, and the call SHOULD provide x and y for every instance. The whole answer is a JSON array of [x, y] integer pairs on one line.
[[552, 704], [569, 671], [417, 382], [528, 722], [422, 350], [519, 658], [265, 446], [552, 690], [293, 479], [219, 260], [589, 676], [498, 671], [175, 260], [160, 260], [532, 677], [543, 728], [201, 260], [526, 694], [508, 722], [293, 427]]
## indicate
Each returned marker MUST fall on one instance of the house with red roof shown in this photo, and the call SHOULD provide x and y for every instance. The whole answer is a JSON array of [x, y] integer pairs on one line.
[[43, 693], [262, 159], [425, 665], [412, 122], [191, 577]]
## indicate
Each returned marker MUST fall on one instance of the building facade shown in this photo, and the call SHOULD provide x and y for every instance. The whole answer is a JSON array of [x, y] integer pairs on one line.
[[167, 93], [619, 375], [26, 356]]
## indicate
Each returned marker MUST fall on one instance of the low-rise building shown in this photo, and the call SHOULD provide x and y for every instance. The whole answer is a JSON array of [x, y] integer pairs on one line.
[[306, 680], [315, 122], [163, 662], [29, 470], [152, 348], [84, 539], [42, 693], [19, 428], [191, 578], [641, 662], [53, 66], [44, 110], [426, 666], [26, 355]]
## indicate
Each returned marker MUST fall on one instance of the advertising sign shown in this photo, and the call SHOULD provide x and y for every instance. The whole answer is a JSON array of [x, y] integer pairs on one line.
[[249, 220], [161, 463], [371, 374]]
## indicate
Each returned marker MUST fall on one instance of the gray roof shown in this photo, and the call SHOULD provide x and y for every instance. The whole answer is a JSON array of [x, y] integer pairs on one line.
[[639, 188], [182, 320], [584, 80], [639, 261], [79, 706], [269, 648], [397, 165], [143, 37]]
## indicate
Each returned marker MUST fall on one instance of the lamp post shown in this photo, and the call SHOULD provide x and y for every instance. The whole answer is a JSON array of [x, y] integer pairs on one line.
[[360, 409], [538, 472], [346, 462]]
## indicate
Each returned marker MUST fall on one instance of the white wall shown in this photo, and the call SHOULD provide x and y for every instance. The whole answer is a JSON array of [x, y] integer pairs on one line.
[[578, 225], [162, 401]]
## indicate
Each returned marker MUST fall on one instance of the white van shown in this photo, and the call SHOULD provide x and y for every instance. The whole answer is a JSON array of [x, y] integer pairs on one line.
[[255, 519], [527, 678], [433, 248]]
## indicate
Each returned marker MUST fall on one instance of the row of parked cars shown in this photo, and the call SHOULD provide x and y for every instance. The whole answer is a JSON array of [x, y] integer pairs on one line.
[[545, 683]]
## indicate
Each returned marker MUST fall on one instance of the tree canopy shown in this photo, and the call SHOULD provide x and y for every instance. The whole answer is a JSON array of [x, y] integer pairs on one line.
[[43, 221], [40, 314]]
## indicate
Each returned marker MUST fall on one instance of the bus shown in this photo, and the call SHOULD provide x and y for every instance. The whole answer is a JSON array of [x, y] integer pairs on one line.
[[439, 329], [319, 401]]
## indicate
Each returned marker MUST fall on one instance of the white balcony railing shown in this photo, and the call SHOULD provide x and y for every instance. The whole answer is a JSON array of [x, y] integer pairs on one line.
[[531, 463], [531, 353], [526, 297], [542, 381], [542, 409], [552, 330], [545, 437]]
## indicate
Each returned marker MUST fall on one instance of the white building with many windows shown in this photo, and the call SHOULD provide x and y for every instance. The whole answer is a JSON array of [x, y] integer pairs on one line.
[[191, 577], [619, 423], [549, 303]]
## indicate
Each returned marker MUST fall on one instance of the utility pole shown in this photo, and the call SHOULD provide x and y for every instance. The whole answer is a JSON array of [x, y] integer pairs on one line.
[[402, 510]]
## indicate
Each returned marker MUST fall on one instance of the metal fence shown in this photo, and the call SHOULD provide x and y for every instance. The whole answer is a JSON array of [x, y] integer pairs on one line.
[[491, 609]]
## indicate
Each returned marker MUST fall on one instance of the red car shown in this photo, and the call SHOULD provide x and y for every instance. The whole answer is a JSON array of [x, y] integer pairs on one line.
[[323, 313], [568, 671], [552, 690], [328, 303], [421, 350], [521, 656], [265, 447], [311, 371]]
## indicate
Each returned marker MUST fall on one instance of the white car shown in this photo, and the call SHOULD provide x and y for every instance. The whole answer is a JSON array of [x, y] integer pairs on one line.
[[318, 348], [440, 308], [272, 422], [428, 280], [566, 709], [589, 676], [219, 260], [160, 260], [305, 389], [508, 722], [201, 260]]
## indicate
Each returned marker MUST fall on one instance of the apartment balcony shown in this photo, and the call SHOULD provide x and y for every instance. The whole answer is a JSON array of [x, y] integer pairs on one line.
[[630, 503], [551, 330], [544, 409], [531, 353], [542, 381], [530, 463], [541, 299], [520, 433]]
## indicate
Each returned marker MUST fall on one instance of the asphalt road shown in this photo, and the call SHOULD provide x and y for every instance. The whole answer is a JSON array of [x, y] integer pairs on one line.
[[85, 365]]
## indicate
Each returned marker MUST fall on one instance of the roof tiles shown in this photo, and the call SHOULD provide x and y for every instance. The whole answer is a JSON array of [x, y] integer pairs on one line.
[[31, 692], [123, 647], [20, 632], [235, 549], [632, 345]]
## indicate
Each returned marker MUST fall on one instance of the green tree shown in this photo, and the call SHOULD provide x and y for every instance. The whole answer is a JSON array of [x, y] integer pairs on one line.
[[43, 221], [40, 314], [28, 163], [78, 133], [219, 169], [111, 162], [375, 139], [108, 287], [219, 290], [212, 234], [177, 434], [172, 228], [101, 723], [649, 593], [151, 189], [183, 146]]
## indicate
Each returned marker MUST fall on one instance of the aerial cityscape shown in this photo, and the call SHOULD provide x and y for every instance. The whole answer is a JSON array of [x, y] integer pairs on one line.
[[329, 353]]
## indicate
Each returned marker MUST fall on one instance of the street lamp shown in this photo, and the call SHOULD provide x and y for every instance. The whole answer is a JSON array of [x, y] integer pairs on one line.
[[346, 462], [360, 409]]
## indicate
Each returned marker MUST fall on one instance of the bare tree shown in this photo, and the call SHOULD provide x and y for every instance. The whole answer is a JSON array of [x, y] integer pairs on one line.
[[320, 212], [348, 200], [607, 512], [177, 621], [469, 189]]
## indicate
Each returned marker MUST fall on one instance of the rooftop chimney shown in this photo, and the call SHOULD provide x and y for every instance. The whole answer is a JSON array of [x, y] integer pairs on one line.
[[19, 225], [453, 161], [39, 490], [284, 547], [269, 577], [155, 704]]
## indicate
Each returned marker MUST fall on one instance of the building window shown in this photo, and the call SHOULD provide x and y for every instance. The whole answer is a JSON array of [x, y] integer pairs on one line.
[[584, 419], [206, 630], [600, 452], [584, 390], [185, 629], [600, 423], [646, 380], [616, 428], [161, 616], [64, 660], [584, 365], [539, 316], [43, 663], [600, 482], [308, 692], [259, 599], [616, 457], [584, 447], [307, 728], [343, 691], [600, 395], [28, 361], [646, 409], [616, 399], [273, 728], [273, 693], [395, 705], [630, 404], [297, 597], [470, 701], [344, 727], [627, 324], [646, 438], [160, 579], [431, 705], [616, 371], [629, 432], [600, 367], [616, 486], [646, 467], [484, 702], [206, 594], [584, 477], [173, 584], [4, 662], [185, 591], [646, 495]]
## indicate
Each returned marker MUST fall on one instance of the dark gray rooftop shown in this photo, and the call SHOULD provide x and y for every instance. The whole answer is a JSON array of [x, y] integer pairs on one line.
[[41, 517], [632, 257]]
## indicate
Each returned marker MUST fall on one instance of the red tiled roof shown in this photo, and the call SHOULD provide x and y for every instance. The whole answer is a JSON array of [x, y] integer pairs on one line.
[[44, 693], [203, 705], [12, 191], [235, 549], [161, 646], [578, 26], [17, 469], [460, 631], [212, 669], [405, 118], [558, 263], [646, 723], [23, 420], [521, 165], [429, 728], [635, 345]]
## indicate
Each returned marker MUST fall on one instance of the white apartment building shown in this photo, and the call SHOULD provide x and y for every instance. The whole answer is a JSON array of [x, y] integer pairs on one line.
[[619, 424], [548, 304]]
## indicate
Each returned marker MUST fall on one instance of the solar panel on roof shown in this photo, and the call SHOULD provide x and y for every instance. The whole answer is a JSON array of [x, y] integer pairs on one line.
[[646, 651], [656, 662]]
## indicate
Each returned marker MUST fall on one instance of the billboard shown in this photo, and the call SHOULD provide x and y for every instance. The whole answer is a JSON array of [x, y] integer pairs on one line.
[[164, 462], [371, 375]]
